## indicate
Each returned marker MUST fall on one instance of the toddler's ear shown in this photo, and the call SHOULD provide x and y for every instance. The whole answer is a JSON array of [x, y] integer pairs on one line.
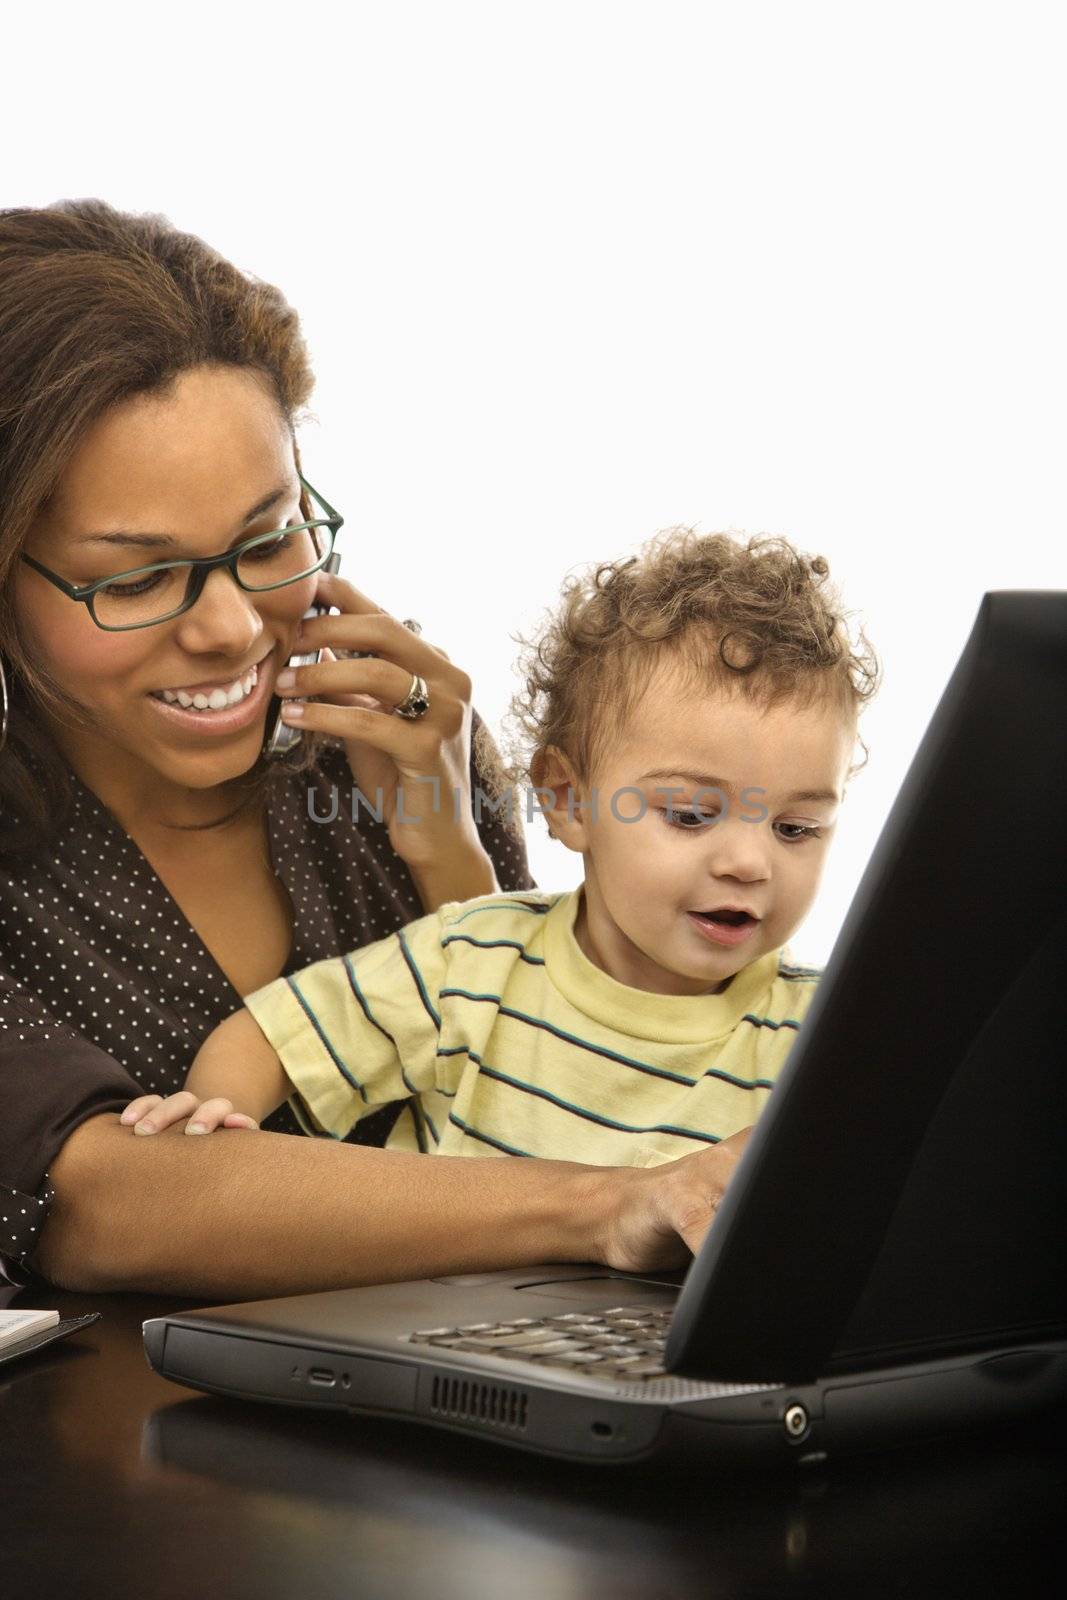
[[558, 794]]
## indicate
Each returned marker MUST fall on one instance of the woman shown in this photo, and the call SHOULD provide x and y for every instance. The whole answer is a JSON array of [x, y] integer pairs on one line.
[[158, 859]]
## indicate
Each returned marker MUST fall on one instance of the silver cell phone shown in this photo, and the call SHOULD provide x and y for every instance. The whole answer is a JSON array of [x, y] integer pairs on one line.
[[285, 736]]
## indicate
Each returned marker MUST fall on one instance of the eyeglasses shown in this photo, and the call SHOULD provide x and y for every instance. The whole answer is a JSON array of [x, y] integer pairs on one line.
[[147, 595]]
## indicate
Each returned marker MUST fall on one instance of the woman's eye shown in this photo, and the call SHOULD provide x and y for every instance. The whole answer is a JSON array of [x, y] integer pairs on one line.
[[267, 550], [132, 587], [280, 545]]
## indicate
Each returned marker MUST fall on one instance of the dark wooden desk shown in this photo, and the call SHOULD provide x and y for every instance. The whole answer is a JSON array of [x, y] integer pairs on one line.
[[114, 1482]]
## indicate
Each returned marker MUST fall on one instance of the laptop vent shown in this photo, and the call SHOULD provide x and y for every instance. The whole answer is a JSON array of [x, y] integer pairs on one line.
[[491, 1404], [669, 1389]]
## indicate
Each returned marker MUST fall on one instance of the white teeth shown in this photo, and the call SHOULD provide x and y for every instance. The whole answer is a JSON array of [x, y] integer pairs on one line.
[[217, 700]]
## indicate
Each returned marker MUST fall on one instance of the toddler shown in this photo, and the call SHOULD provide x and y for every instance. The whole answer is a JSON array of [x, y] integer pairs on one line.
[[690, 717]]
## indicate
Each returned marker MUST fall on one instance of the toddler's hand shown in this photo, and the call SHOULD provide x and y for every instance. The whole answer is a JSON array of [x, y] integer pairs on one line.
[[151, 1113]]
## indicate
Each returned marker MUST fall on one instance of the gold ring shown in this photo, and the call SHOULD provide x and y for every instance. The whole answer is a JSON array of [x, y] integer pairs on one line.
[[416, 702]]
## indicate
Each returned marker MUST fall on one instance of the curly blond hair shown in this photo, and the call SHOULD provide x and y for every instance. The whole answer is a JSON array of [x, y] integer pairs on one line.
[[756, 618]]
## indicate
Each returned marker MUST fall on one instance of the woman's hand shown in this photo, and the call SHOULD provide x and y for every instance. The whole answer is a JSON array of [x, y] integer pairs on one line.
[[420, 767], [658, 1216], [151, 1113]]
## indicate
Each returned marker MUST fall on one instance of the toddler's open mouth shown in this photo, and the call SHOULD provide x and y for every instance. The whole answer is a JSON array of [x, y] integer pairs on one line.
[[730, 916], [725, 925]]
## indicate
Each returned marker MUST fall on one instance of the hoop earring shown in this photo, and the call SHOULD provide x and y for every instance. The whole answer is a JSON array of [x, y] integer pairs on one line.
[[3, 705]]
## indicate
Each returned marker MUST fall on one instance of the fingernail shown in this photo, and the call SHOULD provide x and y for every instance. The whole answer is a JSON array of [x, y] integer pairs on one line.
[[290, 710], [286, 679], [196, 1127], [144, 1127]]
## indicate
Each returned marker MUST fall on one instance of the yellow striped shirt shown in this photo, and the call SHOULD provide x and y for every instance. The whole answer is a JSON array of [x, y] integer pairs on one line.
[[505, 1039]]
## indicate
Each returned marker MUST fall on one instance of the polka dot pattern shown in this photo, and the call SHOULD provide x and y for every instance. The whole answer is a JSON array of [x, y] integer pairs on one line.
[[106, 991]]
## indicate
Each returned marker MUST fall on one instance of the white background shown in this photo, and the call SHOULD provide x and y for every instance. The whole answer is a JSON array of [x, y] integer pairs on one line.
[[573, 272]]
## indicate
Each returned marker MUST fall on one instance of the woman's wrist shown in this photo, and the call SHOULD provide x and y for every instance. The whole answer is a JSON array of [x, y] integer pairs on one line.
[[446, 863], [464, 875]]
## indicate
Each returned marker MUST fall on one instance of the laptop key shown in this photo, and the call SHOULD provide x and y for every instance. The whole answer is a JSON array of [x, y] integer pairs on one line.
[[577, 1358], [519, 1340], [542, 1347]]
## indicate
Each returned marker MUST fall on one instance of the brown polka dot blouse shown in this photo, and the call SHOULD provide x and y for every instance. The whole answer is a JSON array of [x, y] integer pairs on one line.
[[106, 992]]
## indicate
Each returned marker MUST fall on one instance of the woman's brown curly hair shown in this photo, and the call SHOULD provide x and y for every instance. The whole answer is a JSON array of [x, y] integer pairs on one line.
[[96, 306], [755, 618]]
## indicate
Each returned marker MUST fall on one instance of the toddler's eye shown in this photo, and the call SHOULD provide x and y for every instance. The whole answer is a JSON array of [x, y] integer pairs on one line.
[[690, 821], [801, 831]]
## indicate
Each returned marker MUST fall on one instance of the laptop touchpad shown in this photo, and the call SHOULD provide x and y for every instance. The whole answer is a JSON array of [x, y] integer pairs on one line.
[[596, 1292]]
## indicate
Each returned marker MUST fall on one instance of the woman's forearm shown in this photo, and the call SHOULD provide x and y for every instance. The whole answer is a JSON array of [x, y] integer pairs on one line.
[[245, 1214], [242, 1215]]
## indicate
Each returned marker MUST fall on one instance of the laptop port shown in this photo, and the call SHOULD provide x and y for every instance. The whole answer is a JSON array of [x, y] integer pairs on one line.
[[796, 1423]]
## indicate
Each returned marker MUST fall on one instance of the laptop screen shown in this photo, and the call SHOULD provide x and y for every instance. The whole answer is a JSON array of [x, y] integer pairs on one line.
[[904, 1193]]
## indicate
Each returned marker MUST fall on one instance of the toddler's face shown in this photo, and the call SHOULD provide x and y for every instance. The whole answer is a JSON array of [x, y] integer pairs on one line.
[[759, 844]]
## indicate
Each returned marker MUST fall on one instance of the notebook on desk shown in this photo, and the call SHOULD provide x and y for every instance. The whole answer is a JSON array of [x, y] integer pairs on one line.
[[889, 1260]]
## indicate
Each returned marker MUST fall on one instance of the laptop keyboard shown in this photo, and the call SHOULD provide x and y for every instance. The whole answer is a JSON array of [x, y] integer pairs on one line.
[[623, 1342]]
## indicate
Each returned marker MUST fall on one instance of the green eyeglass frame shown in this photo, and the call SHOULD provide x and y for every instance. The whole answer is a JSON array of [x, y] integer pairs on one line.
[[199, 567]]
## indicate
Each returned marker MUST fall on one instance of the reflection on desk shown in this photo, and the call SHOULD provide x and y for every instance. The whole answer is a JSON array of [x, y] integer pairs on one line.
[[151, 1490]]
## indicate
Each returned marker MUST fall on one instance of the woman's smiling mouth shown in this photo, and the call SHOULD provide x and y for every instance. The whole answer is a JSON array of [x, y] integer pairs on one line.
[[220, 708], [211, 698]]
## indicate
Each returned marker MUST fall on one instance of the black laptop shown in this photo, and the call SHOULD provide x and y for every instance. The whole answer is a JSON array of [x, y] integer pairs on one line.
[[889, 1261]]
